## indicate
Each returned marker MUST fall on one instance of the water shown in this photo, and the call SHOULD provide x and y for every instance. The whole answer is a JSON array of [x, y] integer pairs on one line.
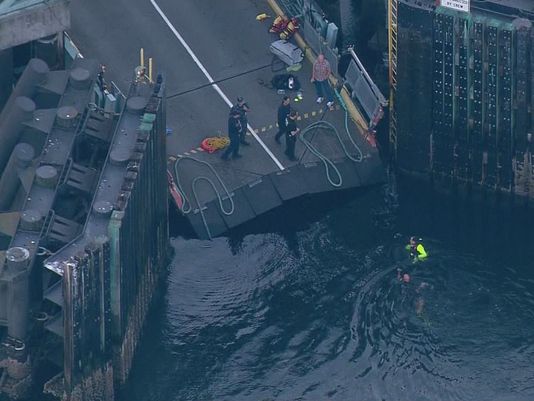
[[305, 305]]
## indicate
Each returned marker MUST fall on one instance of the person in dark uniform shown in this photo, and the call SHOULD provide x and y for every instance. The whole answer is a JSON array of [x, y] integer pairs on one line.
[[283, 112], [291, 135], [234, 132], [242, 108]]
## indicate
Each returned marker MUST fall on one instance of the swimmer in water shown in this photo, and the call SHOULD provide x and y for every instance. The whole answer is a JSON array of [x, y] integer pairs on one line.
[[416, 249], [406, 279]]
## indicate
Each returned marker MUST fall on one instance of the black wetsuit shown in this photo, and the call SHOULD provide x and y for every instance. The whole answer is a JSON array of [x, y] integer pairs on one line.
[[283, 112], [234, 131], [242, 110], [291, 138]]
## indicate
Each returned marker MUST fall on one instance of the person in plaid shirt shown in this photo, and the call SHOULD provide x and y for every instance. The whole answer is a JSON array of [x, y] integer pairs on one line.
[[320, 73]]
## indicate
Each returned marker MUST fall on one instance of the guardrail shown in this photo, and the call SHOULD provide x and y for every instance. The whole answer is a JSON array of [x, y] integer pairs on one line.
[[320, 35], [364, 91]]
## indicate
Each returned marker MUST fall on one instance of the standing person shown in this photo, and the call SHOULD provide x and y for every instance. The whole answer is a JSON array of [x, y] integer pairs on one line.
[[242, 108], [320, 72], [283, 112], [291, 135], [101, 82], [234, 132], [100, 78]]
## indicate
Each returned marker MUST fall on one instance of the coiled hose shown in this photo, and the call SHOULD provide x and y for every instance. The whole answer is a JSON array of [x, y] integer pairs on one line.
[[186, 205], [329, 164]]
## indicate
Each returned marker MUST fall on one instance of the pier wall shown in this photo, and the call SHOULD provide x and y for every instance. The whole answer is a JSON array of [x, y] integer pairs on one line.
[[128, 264], [139, 239], [465, 99], [87, 324], [38, 128], [83, 230], [414, 88]]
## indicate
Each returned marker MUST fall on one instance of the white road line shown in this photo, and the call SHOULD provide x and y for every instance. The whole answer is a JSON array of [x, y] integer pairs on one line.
[[212, 81]]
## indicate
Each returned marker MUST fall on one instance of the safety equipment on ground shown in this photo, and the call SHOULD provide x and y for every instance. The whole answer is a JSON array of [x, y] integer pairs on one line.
[[291, 27], [294, 67], [214, 143], [287, 52], [284, 26], [262, 16], [286, 82]]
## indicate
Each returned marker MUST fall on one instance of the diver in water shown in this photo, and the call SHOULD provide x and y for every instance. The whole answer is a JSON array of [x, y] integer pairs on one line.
[[416, 249]]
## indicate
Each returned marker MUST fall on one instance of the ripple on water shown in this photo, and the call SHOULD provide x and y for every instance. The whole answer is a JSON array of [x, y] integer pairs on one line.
[[471, 319], [330, 322]]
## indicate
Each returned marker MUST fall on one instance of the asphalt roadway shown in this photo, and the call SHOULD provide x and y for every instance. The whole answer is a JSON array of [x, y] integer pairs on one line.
[[227, 41]]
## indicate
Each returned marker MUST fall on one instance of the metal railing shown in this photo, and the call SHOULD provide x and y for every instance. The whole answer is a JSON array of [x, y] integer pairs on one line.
[[364, 90], [316, 30], [292, 8], [320, 36]]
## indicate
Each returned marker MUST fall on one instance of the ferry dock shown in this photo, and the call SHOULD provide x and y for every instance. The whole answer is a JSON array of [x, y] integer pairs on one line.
[[87, 154], [212, 53]]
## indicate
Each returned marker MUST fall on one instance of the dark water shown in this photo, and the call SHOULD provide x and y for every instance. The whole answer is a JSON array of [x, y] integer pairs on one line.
[[306, 306], [362, 24], [304, 303]]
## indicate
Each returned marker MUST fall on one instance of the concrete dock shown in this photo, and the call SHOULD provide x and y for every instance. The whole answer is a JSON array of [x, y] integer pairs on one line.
[[200, 43], [84, 176], [78, 188]]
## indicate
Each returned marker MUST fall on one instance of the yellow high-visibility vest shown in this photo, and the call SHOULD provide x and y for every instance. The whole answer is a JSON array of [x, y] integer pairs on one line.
[[421, 253]]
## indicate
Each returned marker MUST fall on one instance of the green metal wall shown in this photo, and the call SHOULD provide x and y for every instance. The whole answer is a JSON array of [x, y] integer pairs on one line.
[[473, 126]]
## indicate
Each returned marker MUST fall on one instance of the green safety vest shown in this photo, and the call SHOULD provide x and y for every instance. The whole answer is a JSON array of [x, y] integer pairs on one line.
[[421, 252]]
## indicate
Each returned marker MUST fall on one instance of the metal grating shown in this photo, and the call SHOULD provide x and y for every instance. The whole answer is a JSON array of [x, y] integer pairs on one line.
[[361, 91]]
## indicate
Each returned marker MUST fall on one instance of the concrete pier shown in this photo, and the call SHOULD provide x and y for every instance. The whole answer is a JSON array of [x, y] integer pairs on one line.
[[22, 155], [264, 177], [78, 223]]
